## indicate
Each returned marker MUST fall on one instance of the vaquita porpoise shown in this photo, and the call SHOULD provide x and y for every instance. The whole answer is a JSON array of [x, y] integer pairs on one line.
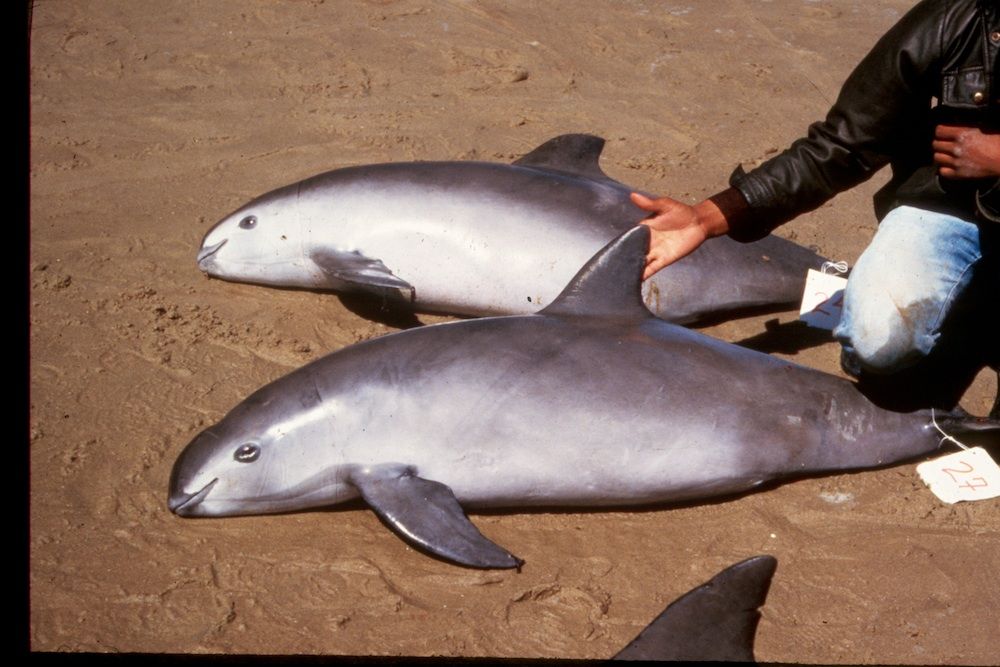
[[481, 238], [715, 622], [590, 402]]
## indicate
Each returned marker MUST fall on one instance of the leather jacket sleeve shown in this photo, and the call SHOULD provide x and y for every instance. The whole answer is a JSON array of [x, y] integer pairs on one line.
[[883, 114]]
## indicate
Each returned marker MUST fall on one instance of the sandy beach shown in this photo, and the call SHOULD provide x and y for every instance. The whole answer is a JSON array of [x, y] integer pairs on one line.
[[151, 121]]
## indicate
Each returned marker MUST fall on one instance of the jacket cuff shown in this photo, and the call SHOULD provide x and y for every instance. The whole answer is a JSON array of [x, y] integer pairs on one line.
[[746, 224]]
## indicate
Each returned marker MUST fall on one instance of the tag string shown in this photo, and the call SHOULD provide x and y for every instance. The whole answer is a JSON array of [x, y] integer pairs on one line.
[[941, 431], [839, 267]]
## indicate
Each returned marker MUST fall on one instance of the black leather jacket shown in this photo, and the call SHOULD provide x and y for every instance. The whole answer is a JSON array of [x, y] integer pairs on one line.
[[937, 65]]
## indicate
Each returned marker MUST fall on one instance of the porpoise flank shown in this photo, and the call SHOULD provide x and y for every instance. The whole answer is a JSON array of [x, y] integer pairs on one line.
[[715, 622], [481, 238], [591, 402]]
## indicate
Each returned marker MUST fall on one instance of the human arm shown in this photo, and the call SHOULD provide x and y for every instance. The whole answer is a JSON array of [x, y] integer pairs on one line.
[[882, 114]]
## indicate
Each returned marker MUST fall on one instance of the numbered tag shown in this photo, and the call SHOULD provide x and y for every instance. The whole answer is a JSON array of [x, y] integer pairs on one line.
[[966, 475], [822, 299]]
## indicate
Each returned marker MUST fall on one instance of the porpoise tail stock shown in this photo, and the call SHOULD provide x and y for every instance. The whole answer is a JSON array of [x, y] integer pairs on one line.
[[716, 621], [482, 238], [591, 402]]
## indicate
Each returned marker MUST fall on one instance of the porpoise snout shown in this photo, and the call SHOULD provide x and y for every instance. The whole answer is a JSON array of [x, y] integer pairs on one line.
[[190, 481], [186, 504], [206, 252]]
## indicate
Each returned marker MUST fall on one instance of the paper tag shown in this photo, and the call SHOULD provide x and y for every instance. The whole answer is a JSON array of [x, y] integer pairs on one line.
[[967, 475], [822, 299]]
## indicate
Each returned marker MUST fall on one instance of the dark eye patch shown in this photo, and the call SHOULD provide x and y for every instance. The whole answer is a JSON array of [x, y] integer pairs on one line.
[[247, 453], [248, 222]]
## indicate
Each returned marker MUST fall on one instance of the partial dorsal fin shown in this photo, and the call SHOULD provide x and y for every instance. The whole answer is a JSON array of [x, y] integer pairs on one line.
[[715, 622], [609, 286], [574, 153]]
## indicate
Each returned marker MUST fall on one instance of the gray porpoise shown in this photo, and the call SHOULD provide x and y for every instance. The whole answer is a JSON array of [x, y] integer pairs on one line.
[[591, 402], [482, 238]]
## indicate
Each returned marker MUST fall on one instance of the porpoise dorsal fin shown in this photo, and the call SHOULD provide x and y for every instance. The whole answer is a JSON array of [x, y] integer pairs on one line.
[[573, 153], [715, 622], [609, 286]]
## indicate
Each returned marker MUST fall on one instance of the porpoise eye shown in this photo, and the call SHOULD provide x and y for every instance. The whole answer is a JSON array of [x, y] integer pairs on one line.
[[248, 222], [247, 453]]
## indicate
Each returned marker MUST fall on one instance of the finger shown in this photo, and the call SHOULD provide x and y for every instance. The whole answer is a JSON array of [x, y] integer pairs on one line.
[[949, 132], [948, 172], [945, 159], [652, 205], [653, 266], [640, 200], [942, 146], [658, 256]]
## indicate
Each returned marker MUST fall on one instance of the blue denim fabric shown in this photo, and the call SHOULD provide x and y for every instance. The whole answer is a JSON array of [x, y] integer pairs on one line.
[[902, 287]]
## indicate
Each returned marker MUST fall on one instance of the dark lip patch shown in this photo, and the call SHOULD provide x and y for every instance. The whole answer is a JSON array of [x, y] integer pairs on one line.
[[183, 504], [207, 252]]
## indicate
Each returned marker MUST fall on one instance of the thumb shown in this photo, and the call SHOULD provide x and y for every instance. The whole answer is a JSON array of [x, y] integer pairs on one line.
[[660, 205]]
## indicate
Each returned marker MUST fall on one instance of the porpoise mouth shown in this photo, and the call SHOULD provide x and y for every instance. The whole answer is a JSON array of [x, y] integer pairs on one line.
[[185, 504], [208, 251]]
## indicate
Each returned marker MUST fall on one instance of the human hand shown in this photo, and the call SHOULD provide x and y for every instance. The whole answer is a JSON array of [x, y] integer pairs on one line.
[[966, 152], [676, 229]]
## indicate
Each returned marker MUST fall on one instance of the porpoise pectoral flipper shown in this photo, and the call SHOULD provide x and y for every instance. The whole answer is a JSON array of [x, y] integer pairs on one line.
[[427, 514], [716, 621], [353, 272]]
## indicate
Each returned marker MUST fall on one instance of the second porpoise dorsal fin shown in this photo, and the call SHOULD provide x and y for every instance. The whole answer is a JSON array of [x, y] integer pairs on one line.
[[578, 154], [427, 514], [609, 286], [716, 621]]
